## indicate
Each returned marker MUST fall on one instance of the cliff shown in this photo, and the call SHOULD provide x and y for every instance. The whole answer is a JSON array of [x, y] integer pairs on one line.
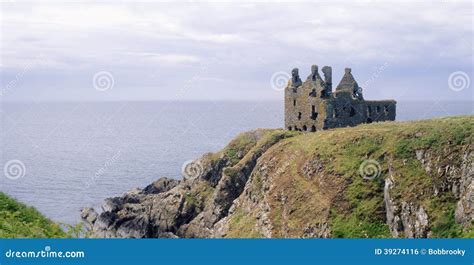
[[389, 179]]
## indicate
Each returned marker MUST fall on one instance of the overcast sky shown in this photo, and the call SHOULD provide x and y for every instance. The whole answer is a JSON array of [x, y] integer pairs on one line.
[[216, 51]]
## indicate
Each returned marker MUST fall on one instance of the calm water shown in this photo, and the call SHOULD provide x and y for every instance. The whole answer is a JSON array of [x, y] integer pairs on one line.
[[77, 154]]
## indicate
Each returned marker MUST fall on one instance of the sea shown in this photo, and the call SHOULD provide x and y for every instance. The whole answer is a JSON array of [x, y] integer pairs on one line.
[[62, 156]]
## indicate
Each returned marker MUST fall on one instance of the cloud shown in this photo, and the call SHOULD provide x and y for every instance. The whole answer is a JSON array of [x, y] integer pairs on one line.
[[167, 58], [239, 46]]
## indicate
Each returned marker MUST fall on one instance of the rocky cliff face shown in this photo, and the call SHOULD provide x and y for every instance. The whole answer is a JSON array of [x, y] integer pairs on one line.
[[412, 179]]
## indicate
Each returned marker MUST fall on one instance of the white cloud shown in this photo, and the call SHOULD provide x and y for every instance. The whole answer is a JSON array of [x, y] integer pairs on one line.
[[167, 58]]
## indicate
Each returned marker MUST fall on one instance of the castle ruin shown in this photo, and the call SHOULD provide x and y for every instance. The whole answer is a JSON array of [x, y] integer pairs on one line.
[[312, 105]]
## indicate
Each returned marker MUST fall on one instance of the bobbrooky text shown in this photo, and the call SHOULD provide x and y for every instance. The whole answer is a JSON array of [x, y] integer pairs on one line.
[[446, 252], [44, 253]]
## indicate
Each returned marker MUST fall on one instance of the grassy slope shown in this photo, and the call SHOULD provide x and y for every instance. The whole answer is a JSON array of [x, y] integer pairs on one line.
[[336, 194], [19, 221]]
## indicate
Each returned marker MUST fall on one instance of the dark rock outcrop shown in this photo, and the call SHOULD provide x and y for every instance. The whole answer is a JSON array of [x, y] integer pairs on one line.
[[186, 208]]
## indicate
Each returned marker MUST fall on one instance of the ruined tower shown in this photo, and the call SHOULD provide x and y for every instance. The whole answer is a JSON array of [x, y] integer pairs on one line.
[[312, 105]]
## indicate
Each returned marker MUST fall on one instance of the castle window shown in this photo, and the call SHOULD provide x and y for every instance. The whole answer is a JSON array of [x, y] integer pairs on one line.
[[314, 114], [324, 93], [312, 93], [385, 109], [369, 110], [313, 128], [305, 128], [378, 109], [336, 113], [299, 115], [353, 112], [294, 102], [289, 128]]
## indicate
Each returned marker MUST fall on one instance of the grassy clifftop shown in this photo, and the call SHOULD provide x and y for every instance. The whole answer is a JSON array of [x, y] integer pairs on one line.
[[20, 221], [404, 179]]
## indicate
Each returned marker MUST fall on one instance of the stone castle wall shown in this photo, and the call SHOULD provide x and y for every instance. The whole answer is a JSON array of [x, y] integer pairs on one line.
[[312, 105]]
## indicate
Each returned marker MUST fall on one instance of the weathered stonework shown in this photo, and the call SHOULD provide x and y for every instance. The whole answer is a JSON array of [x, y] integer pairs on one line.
[[312, 105]]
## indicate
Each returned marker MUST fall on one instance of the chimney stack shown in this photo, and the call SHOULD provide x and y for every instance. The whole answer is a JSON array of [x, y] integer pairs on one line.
[[327, 71]]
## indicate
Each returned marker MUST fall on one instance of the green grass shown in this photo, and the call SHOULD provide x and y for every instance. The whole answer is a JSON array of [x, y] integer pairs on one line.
[[199, 195], [18, 220], [469, 231], [265, 141], [242, 225], [445, 226], [353, 227], [241, 145]]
